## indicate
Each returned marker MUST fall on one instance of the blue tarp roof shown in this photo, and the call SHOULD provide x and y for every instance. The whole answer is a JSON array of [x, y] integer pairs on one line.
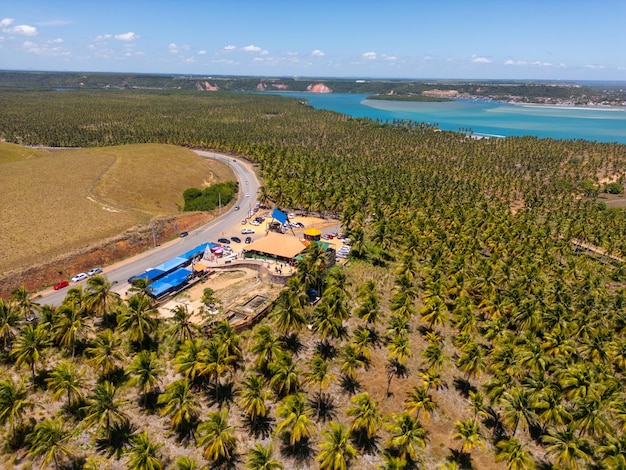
[[153, 274], [170, 282]]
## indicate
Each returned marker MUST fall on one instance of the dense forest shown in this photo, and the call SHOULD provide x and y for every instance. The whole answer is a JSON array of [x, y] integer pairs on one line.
[[486, 283]]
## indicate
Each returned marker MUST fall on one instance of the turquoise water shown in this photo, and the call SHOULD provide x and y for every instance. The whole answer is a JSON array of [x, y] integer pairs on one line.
[[488, 118]]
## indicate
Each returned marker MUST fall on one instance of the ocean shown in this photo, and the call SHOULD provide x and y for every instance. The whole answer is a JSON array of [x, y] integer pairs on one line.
[[484, 117]]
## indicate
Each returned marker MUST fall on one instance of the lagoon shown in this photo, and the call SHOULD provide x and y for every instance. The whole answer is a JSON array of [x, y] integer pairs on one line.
[[484, 117]]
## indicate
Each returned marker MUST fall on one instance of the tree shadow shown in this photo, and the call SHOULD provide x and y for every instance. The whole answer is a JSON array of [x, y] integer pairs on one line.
[[117, 377], [117, 441], [462, 459], [464, 387], [350, 385], [293, 343], [326, 350], [260, 426], [323, 406], [367, 445], [222, 394], [493, 422], [301, 451]]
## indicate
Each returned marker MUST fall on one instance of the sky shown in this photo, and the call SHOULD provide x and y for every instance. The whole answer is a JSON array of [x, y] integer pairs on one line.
[[411, 39]]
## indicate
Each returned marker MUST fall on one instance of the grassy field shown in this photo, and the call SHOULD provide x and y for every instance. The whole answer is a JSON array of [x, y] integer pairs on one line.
[[56, 201]]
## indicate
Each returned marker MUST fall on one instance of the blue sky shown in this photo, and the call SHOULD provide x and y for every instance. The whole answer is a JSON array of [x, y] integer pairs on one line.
[[530, 39]]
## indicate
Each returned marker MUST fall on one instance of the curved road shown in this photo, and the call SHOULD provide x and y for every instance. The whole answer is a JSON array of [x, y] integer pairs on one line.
[[119, 273]]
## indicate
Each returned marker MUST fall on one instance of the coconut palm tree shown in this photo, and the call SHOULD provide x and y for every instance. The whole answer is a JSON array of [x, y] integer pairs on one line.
[[407, 434], [513, 453], [106, 355], [102, 300], [336, 452], [418, 400], [186, 463], [218, 439], [143, 453], [253, 397], [182, 405], [13, 403], [145, 370], [66, 379], [260, 458], [319, 372], [267, 346], [49, 440], [138, 318], [366, 420], [24, 304], [296, 419], [71, 326], [104, 410], [9, 319], [285, 378], [568, 449], [180, 325], [518, 408], [469, 433], [29, 346]]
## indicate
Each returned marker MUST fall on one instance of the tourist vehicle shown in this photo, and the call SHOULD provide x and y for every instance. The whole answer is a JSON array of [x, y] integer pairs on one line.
[[61, 284], [223, 240], [246, 231], [236, 239], [80, 277], [94, 271]]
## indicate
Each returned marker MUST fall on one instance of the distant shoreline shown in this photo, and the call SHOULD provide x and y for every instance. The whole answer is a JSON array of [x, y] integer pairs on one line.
[[593, 107]]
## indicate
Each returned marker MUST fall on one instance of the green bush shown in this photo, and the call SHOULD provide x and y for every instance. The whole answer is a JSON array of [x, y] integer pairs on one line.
[[614, 188], [210, 198]]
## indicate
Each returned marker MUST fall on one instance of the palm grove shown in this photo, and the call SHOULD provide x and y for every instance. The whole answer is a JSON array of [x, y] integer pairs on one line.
[[467, 331]]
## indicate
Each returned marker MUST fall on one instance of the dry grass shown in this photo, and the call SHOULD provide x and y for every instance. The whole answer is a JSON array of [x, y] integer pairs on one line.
[[55, 202]]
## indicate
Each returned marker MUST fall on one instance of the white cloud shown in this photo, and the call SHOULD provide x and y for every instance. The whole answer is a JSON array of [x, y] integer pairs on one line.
[[130, 36], [251, 48], [102, 37], [595, 66], [230, 48], [480, 60], [55, 41], [22, 30], [515, 62], [390, 58], [4, 22], [202, 52], [317, 53], [369, 55]]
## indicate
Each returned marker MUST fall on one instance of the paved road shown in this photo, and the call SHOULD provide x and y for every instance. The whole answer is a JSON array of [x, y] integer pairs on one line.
[[119, 273]]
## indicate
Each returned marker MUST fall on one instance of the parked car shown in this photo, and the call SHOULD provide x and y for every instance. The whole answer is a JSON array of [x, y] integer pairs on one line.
[[244, 222], [94, 271], [236, 239], [183, 234], [61, 284], [246, 231], [223, 240], [255, 222], [248, 240], [79, 277]]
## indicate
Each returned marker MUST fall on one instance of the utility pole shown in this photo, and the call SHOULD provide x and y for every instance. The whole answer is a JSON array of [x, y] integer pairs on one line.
[[154, 236]]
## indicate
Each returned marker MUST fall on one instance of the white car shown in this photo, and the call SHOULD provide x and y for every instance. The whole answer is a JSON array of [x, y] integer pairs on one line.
[[255, 222], [247, 231], [79, 277], [247, 195], [94, 271]]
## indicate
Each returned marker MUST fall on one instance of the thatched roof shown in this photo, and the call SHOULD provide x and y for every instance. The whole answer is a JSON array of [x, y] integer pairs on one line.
[[278, 244]]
